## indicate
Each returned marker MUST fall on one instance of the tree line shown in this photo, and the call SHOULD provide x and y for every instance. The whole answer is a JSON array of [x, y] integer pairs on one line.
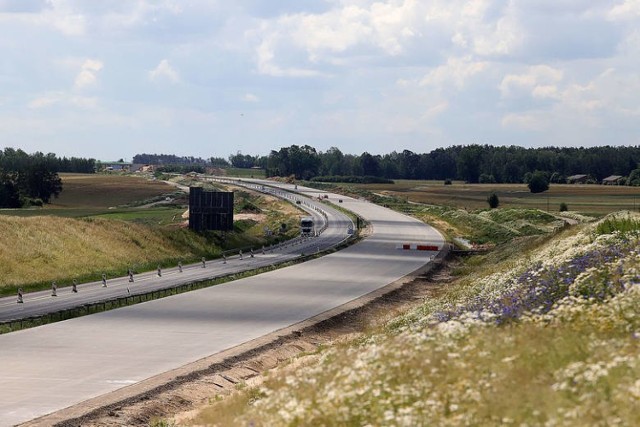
[[173, 160], [32, 179], [471, 163]]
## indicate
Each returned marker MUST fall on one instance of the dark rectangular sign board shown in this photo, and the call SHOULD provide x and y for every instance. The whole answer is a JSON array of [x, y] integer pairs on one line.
[[210, 210]]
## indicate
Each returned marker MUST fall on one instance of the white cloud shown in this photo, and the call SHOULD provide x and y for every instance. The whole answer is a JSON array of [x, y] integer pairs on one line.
[[457, 71], [532, 121], [88, 73], [63, 99], [249, 97], [627, 10], [537, 81], [62, 16], [164, 71]]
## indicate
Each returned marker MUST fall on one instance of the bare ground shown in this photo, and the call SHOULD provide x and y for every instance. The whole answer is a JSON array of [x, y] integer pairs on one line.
[[182, 393]]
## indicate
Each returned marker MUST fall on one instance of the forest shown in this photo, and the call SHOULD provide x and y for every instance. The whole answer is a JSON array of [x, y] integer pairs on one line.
[[471, 163]]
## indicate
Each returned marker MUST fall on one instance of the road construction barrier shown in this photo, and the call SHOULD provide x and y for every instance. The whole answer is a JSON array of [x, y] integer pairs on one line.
[[417, 247]]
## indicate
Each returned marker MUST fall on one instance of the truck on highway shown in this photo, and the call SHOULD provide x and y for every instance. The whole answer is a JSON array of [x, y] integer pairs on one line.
[[306, 226]]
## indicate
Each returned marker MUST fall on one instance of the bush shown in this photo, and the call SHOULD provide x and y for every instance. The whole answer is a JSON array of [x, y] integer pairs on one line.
[[493, 200], [634, 178], [563, 207], [538, 182]]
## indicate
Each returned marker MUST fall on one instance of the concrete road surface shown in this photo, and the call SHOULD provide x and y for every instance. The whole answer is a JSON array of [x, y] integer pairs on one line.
[[54, 366]]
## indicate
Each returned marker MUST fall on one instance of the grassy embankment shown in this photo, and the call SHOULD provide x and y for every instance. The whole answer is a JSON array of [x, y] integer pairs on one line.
[[544, 330], [98, 226]]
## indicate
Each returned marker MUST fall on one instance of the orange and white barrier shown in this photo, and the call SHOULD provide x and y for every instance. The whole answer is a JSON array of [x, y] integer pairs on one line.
[[417, 247]]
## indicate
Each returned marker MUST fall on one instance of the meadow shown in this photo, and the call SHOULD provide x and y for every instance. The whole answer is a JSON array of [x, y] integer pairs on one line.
[[544, 330], [589, 199]]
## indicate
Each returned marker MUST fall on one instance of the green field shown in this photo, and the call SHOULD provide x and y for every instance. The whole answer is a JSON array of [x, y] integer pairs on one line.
[[588, 199]]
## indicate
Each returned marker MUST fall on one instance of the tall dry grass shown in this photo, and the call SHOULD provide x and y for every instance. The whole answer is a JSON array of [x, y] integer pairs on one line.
[[38, 249]]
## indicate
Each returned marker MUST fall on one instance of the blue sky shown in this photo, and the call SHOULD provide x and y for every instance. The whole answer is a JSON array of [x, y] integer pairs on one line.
[[110, 79]]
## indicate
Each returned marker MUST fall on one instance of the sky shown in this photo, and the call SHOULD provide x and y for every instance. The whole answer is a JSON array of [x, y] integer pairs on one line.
[[210, 78]]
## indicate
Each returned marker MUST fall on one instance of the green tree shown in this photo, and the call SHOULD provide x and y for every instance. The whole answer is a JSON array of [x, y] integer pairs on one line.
[[493, 200], [539, 182], [469, 163], [634, 178], [370, 164]]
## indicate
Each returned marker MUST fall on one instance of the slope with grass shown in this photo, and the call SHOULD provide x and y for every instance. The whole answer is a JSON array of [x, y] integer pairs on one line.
[[549, 335], [39, 249]]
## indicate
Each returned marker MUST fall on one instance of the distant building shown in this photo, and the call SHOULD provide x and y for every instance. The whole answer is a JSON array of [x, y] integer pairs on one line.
[[614, 180], [210, 210], [117, 166], [577, 179]]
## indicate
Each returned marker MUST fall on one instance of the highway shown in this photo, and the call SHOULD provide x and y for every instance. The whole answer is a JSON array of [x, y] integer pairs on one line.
[[54, 366], [39, 303]]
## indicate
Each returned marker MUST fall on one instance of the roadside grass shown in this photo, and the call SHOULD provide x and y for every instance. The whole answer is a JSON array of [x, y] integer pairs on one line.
[[158, 216], [547, 333], [37, 250], [245, 173]]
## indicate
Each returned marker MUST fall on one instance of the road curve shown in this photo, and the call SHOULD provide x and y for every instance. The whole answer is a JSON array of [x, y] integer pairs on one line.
[[54, 366]]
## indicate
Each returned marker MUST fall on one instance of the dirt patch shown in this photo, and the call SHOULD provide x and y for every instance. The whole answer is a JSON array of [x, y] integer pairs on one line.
[[181, 394], [252, 216]]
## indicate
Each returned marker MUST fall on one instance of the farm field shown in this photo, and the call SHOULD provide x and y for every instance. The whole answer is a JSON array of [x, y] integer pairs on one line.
[[587, 199], [92, 194]]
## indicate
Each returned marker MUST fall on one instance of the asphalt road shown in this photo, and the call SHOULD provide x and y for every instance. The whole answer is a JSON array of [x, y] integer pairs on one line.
[[54, 366]]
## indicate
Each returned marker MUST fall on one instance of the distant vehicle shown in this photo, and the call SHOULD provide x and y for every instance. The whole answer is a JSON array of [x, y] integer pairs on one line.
[[339, 200], [306, 226]]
